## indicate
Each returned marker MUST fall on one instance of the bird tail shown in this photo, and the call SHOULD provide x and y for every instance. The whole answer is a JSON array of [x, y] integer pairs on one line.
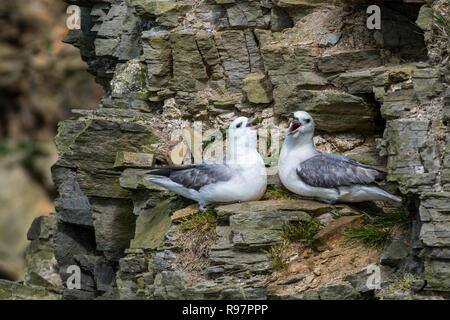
[[381, 175], [165, 172], [392, 197]]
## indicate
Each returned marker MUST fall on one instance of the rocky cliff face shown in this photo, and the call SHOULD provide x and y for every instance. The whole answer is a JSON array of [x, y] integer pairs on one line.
[[380, 96]]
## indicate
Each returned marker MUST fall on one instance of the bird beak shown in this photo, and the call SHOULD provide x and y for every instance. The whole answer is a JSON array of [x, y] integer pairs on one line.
[[294, 127]]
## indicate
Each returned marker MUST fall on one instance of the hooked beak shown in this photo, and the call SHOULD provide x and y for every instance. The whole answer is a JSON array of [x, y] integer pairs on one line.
[[294, 127]]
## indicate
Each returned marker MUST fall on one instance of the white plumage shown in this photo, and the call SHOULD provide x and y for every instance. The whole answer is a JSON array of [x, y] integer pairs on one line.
[[239, 177], [321, 176]]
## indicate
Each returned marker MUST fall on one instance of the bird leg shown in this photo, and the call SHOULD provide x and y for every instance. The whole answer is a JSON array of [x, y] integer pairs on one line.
[[314, 199], [203, 208]]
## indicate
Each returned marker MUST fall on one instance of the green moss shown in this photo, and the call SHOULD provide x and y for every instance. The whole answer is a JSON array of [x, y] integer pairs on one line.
[[201, 220], [274, 192], [364, 159], [147, 143], [223, 101], [68, 133], [138, 118]]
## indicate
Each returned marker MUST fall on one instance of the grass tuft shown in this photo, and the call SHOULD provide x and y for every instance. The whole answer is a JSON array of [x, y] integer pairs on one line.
[[276, 254], [369, 235], [302, 231], [378, 231], [442, 24]]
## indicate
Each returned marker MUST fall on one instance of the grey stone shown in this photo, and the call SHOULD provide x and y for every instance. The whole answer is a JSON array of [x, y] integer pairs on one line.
[[396, 253], [437, 275], [349, 60], [292, 279], [253, 231], [279, 19], [325, 218], [114, 224], [72, 205], [72, 294], [306, 295], [151, 226], [343, 291], [417, 285]]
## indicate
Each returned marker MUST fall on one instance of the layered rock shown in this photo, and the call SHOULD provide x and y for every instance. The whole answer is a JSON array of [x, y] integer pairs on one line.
[[165, 64]]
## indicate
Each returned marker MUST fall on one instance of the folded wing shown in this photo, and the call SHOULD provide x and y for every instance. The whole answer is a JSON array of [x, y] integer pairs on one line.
[[195, 176], [329, 171]]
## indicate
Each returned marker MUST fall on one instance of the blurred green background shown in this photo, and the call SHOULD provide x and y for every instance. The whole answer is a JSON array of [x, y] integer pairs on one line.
[[41, 79]]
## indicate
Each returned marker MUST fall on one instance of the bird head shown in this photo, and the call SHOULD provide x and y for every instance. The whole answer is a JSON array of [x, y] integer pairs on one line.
[[242, 133], [243, 123], [302, 124]]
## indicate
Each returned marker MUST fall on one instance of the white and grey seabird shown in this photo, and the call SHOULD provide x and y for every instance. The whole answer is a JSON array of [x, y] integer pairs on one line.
[[321, 176], [240, 177]]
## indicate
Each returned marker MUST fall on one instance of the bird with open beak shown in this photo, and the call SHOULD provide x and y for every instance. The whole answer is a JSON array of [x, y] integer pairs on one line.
[[321, 176]]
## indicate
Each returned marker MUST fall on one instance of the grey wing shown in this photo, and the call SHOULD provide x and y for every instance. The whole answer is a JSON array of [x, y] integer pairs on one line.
[[330, 171], [196, 176]]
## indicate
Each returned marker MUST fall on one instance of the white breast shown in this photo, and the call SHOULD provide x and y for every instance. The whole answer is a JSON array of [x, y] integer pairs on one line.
[[248, 183], [288, 163]]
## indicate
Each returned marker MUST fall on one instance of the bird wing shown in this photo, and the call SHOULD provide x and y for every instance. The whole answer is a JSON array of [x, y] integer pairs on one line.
[[331, 170], [196, 176]]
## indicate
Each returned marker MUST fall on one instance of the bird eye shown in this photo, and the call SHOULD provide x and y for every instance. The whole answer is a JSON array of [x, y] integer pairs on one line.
[[239, 125], [308, 120]]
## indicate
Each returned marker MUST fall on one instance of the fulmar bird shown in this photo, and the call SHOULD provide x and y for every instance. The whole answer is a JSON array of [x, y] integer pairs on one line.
[[239, 177], [321, 176]]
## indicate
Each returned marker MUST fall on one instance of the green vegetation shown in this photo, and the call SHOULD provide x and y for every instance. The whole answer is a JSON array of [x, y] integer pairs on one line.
[[201, 220], [3, 149], [211, 139], [369, 235], [442, 24], [274, 192], [398, 218], [302, 231], [402, 284], [138, 118], [276, 254], [378, 230]]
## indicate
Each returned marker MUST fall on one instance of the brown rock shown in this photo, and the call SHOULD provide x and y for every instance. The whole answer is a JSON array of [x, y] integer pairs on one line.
[[185, 212], [334, 231]]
